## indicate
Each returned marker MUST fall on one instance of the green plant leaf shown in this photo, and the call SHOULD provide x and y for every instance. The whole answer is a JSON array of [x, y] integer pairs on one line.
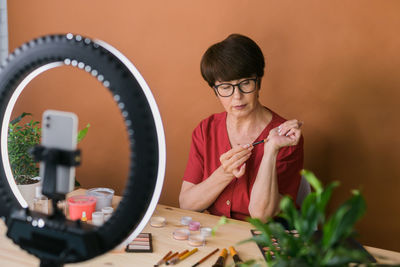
[[19, 118], [314, 182], [342, 256], [249, 263], [289, 211], [82, 133], [223, 220], [341, 223], [325, 196]]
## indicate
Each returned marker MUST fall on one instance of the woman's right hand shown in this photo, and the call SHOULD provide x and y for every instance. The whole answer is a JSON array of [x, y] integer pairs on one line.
[[233, 161]]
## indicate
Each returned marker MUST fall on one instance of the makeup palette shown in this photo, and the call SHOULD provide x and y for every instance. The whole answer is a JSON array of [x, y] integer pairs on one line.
[[275, 243], [142, 243]]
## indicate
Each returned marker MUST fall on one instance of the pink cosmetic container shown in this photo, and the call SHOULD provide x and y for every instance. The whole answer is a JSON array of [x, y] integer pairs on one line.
[[79, 204], [194, 226]]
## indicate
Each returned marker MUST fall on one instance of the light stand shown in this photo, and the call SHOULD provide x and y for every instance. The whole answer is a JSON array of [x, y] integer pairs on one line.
[[54, 239]]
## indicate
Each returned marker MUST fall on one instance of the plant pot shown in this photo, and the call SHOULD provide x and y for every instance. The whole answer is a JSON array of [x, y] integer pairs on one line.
[[28, 191]]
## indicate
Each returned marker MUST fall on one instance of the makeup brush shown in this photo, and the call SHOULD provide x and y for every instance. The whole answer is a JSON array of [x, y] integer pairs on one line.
[[235, 256], [176, 258], [163, 259], [221, 259], [206, 257]]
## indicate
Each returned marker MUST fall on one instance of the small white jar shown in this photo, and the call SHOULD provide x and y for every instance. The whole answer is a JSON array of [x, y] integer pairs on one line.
[[98, 218]]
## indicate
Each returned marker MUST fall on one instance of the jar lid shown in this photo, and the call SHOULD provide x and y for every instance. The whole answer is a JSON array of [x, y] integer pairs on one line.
[[100, 192], [81, 200]]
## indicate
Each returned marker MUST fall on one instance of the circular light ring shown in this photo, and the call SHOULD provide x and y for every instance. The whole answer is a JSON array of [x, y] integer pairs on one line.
[[137, 106]]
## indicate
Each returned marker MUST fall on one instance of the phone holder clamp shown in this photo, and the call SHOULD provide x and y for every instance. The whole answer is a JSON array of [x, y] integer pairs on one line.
[[52, 158]]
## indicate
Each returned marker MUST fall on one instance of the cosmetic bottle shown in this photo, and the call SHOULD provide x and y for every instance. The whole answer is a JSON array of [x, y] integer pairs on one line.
[[40, 202], [84, 218]]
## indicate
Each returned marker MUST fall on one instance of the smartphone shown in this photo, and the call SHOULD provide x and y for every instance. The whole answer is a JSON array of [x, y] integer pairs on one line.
[[60, 130]]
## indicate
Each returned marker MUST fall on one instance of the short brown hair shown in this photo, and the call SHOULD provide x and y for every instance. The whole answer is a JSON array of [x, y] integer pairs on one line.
[[233, 58]]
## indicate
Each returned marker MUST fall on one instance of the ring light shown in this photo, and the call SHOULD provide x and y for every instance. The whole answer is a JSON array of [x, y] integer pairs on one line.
[[147, 149]]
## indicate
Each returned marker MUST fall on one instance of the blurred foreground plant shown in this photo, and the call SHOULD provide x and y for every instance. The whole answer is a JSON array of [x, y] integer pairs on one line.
[[328, 246]]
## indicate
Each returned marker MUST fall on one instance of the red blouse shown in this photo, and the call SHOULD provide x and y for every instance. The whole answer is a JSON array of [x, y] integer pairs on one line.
[[210, 140]]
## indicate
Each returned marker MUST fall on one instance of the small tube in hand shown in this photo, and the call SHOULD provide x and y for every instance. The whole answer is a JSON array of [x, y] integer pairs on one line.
[[259, 142]]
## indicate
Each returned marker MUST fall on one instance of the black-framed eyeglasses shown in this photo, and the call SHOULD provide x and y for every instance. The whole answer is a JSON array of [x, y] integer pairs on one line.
[[227, 89]]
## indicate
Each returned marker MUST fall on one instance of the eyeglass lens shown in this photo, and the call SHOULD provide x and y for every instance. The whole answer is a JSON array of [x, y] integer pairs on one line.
[[245, 86]]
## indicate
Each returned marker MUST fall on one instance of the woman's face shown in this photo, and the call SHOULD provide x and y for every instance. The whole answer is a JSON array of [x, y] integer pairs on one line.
[[239, 104]]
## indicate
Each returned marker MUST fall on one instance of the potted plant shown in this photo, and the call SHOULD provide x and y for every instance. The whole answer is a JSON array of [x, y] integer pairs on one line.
[[25, 171], [22, 137], [313, 238]]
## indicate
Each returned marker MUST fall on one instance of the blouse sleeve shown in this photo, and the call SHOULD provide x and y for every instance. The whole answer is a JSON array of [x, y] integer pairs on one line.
[[195, 166], [289, 164]]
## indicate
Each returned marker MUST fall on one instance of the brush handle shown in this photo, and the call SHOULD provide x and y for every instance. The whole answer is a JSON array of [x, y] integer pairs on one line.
[[259, 142]]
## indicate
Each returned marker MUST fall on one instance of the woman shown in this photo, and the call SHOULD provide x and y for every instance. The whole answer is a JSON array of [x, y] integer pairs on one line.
[[225, 173]]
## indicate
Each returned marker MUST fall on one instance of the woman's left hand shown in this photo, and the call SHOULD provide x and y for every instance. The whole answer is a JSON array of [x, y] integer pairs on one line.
[[287, 134]]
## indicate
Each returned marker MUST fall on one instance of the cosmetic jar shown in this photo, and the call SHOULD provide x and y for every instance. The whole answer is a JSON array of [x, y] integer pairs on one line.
[[104, 196], [196, 240], [79, 204], [185, 220], [181, 234], [157, 221], [107, 211], [205, 231], [98, 218], [194, 226]]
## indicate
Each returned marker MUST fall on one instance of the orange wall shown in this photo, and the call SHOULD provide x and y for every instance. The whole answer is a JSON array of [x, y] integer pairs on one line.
[[332, 64]]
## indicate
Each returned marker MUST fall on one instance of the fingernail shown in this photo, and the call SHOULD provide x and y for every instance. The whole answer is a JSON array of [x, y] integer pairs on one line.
[[246, 146], [287, 134]]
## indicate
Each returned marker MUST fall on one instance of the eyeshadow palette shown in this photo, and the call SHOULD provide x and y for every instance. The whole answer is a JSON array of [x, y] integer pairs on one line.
[[275, 242], [142, 243]]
